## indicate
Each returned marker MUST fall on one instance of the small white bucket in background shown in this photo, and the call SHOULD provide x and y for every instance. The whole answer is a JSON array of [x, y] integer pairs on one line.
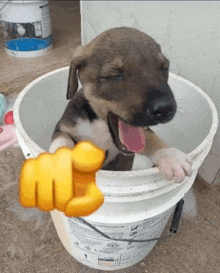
[[26, 27], [138, 203]]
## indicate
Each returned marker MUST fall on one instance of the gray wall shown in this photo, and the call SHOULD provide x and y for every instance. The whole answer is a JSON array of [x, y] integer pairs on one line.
[[189, 33]]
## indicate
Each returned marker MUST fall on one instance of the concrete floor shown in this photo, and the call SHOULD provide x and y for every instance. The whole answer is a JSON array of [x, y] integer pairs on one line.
[[28, 239]]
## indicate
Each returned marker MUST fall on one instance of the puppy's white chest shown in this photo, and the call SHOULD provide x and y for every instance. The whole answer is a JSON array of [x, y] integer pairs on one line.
[[96, 131]]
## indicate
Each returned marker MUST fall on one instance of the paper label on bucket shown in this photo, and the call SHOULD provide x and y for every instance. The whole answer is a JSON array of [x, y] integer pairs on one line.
[[46, 25], [91, 248]]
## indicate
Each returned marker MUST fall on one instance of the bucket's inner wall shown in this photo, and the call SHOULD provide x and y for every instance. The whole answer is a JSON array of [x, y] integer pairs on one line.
[[44, 104], [42, 107]]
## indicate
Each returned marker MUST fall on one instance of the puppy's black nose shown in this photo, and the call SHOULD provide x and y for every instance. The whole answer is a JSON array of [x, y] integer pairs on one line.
[[162, 110]]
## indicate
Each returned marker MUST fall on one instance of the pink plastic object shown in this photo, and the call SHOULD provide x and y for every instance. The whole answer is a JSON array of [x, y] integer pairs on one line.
[[7, 136]]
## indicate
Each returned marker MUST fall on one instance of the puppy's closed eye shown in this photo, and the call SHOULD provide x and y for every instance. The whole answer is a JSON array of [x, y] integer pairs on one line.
[[111, 86], [113, 71], [118, 77]]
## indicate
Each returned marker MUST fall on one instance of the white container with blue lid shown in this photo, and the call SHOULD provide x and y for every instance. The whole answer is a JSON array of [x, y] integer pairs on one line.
[[26, 27]]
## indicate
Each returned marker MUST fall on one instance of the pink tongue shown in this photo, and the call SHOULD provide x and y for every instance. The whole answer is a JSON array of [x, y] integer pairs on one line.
[[132, 137]]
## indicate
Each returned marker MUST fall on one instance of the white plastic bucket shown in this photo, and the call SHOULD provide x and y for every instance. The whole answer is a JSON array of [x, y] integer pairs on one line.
[[26, 27], [138, 203]]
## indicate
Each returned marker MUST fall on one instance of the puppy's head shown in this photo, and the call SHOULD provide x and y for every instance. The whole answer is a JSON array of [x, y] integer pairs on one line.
[[125, 77]]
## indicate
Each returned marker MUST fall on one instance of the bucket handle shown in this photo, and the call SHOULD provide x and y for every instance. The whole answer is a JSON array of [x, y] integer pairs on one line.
[[173, 228]]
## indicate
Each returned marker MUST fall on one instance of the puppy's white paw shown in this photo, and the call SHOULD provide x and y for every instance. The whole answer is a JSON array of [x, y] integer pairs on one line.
[[173, 164]]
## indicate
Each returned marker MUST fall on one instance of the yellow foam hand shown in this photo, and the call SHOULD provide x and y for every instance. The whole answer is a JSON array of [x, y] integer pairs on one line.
[[64, 180]]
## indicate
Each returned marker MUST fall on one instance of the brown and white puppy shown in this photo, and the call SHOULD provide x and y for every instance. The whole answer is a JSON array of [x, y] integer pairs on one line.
[[125, 90]]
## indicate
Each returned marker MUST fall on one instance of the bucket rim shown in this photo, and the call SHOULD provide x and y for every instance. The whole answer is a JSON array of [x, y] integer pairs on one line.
[[150, 171]]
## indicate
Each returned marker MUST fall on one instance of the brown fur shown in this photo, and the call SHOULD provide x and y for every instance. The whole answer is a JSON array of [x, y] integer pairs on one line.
[[123, 71], [100, 59]]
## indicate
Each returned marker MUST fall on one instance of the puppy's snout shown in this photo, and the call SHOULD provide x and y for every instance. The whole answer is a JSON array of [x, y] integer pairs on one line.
[[162, 110], [157, 111]]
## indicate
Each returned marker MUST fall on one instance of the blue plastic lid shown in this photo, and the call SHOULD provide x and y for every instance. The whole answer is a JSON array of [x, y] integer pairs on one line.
[[28, 44]]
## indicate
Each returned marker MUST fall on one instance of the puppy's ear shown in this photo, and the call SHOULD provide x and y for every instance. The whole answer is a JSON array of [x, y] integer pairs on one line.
[[73, 80], [79, 58]]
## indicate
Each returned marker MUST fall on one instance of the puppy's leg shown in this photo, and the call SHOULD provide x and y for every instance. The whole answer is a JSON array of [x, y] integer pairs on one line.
[[172, 163], [61, 139], [120, 163]]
